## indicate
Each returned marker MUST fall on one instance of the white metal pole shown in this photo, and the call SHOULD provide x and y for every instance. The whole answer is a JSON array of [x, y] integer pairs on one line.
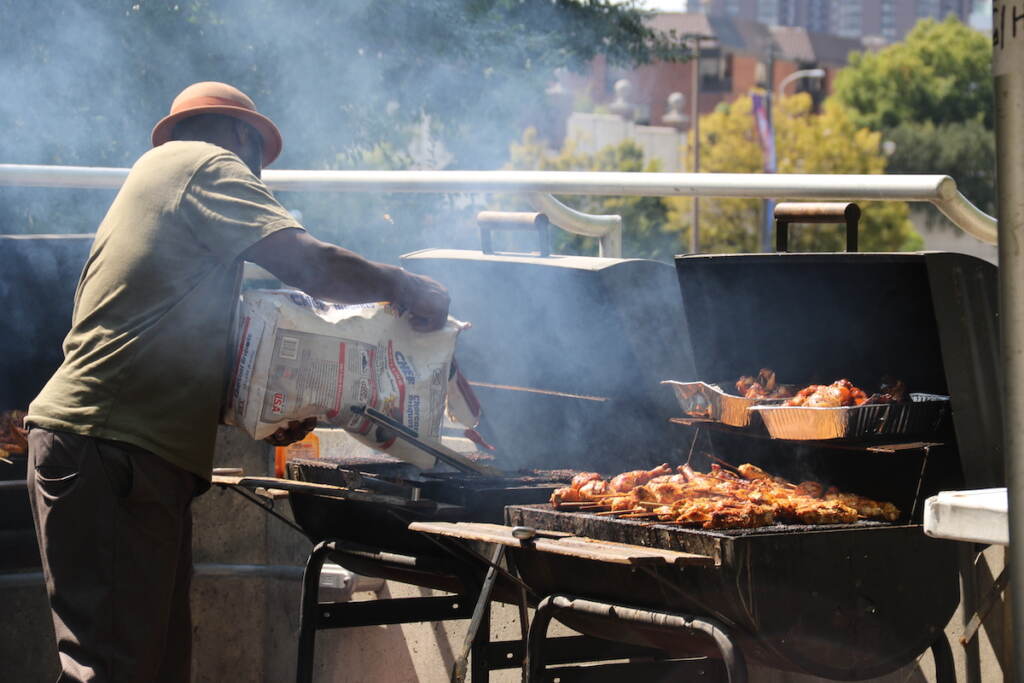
[[1008, 74], [939, 190]]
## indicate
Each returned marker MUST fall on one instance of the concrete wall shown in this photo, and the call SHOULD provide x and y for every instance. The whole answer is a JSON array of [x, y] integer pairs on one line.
[[594, 132]]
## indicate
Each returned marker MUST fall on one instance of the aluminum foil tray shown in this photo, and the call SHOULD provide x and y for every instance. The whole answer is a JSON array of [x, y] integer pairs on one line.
[[921, 415], [710, 401]]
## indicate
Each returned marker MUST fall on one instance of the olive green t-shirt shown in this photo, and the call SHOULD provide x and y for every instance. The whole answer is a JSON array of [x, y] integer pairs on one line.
[[147, 356]]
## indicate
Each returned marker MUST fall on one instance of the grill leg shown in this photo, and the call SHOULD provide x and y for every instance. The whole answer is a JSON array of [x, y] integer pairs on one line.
[[732, 657], [479, 626], [308, 612], [479, 670], [945, 672]]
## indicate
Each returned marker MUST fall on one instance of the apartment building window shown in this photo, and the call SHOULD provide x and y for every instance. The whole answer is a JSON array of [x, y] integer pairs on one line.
[[928, 8], [849, 18], [768, 12], [888, 19], [715, 71], [817, 16]]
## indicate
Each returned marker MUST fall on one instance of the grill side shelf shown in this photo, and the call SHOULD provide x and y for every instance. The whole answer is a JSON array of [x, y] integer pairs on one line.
[[560, 543]]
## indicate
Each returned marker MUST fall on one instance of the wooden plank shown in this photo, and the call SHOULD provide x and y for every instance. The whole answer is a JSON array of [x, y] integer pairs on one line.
[[559, 543], [233, 480]]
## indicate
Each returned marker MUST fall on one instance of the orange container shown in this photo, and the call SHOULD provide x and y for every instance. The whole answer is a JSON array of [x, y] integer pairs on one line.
[[307, 448]]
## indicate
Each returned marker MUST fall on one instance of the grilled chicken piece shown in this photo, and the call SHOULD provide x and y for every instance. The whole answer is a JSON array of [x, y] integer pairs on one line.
[[721, 499], [865, 507], [842, 393], [582, 478], [753, 472], [811, 489], [591, 489], [716, 514], [763, 386], [824, 512], [627, 481]]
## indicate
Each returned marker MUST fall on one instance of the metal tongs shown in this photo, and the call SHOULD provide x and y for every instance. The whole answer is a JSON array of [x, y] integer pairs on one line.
[[436, 448]]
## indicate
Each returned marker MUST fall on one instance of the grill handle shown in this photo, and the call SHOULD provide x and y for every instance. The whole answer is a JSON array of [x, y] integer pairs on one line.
[[523, 221], [816, 212]]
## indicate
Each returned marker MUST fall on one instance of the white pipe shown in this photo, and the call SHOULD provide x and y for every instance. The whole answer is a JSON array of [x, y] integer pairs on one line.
[[939, 190]]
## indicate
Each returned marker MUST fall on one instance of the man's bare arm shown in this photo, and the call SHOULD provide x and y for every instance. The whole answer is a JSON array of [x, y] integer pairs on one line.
[[331, 273]]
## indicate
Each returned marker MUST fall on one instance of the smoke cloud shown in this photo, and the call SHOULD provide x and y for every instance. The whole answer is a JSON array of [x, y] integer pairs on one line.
[[351, 85]]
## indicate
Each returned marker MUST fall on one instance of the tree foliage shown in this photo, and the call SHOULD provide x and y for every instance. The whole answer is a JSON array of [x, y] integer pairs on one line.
[[829, 142], [644, 219], [932, 96], [964, 150], [349, 83], [941, 72], [657, 227]]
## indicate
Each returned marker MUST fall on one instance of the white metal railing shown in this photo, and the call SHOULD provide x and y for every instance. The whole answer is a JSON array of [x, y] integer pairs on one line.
[[939, 190]]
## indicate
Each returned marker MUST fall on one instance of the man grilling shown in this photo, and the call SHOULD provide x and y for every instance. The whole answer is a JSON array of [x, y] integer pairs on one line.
[[122, 436]]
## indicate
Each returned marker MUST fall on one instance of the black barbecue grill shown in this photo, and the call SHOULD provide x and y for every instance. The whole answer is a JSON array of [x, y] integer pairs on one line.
[[839, 602], [844, 602]]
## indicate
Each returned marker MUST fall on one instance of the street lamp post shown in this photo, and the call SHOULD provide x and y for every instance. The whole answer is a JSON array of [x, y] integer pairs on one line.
[[769, 204], [695, 129], [816, 74]]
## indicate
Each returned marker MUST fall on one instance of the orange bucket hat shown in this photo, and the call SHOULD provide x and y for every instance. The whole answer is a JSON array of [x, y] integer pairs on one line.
[[211, 97]]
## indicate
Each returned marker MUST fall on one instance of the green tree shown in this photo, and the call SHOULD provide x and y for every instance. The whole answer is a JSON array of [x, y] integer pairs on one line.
[[829, 142], [941, 72], [644, 219], [932, 96]]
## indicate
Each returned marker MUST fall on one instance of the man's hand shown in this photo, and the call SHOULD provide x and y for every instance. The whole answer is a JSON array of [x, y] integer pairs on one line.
[[295, 431], [426, 301]]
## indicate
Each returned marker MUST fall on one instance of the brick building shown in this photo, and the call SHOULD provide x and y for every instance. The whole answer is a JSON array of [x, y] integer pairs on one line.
[[735, 58], [888, 19]]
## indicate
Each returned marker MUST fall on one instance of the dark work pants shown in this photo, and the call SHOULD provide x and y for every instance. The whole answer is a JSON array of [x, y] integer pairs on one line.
[[114, 525]]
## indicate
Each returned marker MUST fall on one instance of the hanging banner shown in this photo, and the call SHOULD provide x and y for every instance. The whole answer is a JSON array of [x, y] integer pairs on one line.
[[765, 133], [1007, 37]]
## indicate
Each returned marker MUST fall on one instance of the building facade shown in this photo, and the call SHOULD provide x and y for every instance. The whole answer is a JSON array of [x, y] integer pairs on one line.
[[888, 19]]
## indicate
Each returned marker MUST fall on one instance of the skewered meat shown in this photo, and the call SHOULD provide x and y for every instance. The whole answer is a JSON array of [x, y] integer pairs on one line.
[[865, 507], [627, 481], [585, 486], [583, 477], [721, 499]]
